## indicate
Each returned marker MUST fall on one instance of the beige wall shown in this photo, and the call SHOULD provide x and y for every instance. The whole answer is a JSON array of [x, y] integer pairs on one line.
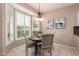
[[62, 36], [1, 29]]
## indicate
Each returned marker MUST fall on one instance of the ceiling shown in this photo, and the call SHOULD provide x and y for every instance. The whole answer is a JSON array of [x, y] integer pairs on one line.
[[46, 7]]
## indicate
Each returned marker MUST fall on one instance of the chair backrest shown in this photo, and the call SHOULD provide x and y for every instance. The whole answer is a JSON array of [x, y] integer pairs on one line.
[[28, 41], [25, 40], [47, 40]]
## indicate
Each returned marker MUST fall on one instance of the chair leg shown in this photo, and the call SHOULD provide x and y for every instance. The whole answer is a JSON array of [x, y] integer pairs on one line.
[[52, 47], [26, 50], [41, 52], [50, 51]]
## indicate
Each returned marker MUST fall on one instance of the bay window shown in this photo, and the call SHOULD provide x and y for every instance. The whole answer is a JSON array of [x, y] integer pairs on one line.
[[17, 24]]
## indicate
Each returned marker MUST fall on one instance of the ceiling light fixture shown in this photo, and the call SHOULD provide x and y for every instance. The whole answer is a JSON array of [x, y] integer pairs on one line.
[[39, 18]]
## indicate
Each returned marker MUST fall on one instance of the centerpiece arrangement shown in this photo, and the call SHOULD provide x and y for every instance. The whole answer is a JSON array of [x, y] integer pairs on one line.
[[39, 34]]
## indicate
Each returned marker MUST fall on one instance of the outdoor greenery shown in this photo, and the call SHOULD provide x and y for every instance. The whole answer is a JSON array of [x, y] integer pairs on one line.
[[21, 30]]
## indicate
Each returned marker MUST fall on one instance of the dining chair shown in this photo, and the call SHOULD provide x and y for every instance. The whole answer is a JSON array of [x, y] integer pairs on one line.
[[47, 43], [29, 44]]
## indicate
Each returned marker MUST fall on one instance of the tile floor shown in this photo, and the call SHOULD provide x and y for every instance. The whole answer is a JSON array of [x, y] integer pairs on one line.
[[59, 50]]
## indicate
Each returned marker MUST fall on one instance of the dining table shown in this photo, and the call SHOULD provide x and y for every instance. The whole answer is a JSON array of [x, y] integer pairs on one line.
[[36, 40]]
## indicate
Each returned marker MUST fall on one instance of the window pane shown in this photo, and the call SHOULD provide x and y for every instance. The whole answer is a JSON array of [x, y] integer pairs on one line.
[[20, 24], [27, 25]]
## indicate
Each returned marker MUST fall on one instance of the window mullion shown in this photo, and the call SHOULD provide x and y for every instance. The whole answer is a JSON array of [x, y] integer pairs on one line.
[[24, 25]]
